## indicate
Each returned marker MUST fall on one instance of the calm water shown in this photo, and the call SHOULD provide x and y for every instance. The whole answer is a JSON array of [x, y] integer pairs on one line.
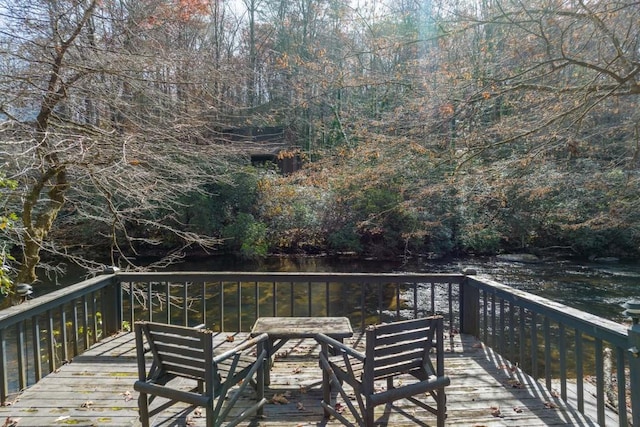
[[598, 288]]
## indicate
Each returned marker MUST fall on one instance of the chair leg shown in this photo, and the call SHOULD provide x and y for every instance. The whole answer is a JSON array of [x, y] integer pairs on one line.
[[143, 407], [369, 416], [441, 406]]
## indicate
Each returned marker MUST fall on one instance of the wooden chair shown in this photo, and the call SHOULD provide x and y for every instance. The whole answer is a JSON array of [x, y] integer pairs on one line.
[[392, 350], [187, 353]]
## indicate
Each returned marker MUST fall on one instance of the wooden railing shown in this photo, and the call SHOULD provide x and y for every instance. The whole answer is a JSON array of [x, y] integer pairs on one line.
[[559, 344], [550, 341]]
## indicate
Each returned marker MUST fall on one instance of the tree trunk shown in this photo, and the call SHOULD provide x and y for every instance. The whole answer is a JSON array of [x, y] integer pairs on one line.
[[37, 227]]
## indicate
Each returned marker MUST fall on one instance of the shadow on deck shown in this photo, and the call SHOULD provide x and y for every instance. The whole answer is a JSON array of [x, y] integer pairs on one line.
[[96, 389]]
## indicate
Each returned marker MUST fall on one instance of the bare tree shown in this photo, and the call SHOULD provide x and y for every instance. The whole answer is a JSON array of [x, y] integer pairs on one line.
[[106, 120], [544, 71]]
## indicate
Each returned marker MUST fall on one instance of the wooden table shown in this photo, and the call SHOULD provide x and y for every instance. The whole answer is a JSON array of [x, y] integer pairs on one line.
[[282, 329]]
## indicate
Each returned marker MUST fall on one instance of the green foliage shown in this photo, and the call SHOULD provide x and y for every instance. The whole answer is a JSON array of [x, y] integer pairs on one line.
[[246, 236], [344, 239], [7, 223], [292, 212], [479, 239]]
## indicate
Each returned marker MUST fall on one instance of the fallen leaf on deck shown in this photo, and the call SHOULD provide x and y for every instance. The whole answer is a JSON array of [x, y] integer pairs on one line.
[[550, 405], [515, 383], [517, 409], [189, 422], [87, 404], [339, 407], [197, 412], [230, 338], [297, 370], [279, 399], [127, 396], [11, 422], [300, 406], [495, 411], [303, 389]]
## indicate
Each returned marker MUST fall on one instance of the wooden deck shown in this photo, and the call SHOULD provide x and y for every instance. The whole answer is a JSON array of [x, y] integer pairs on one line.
[[96, 389]]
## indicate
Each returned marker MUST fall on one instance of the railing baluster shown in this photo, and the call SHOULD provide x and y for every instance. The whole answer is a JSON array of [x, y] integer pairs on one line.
[[522, 333], [22, 355], [512, 338], [85, 321], [494, 328], [94, 323], [579, 370], [203, 303], [185, 303], [415, 299], [600, 380], [432, 307], [562, 348], [149, 306], [275, 299], [239, 304], [363, 300], [622, 387], [257, 297], [64, 336], [502, 327], [221, 285], [380, 301], [547, 352], [292, 300], [534, 345], [4, 380], [451, 311], [37, 350], [327, 299], [51, 341], [74, 325], [309, 300], [485, 317], [167, 299]]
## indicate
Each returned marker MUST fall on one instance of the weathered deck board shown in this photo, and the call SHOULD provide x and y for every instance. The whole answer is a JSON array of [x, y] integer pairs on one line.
[[96, 389]]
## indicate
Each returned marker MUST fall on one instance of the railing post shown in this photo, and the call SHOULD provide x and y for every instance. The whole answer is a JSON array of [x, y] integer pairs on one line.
[[633, 311], [111, 305], [469, 306]]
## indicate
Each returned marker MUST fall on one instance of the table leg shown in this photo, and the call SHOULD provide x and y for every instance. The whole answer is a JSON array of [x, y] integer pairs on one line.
[[268, 362], [260, 376], [326, 381]]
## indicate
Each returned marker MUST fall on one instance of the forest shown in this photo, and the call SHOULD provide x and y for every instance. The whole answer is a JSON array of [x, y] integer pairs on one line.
[[417, 127]]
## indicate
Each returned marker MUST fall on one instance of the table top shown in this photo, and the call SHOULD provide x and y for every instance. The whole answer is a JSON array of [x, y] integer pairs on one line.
[[302, 327]]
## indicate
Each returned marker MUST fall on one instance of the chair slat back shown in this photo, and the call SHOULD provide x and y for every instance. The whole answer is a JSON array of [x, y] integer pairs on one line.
[[399, 347], [179, 350]]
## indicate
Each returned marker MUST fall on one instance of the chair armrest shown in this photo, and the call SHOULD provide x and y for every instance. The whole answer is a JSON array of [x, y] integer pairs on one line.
[[243, 346], [338, 346]]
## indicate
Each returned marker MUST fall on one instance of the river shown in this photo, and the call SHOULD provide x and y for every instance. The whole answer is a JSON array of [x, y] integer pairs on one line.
[[597, 288]]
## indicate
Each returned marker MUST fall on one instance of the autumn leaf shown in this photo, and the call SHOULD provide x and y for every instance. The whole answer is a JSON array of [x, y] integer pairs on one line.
[[11, 422], [279, 399]]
